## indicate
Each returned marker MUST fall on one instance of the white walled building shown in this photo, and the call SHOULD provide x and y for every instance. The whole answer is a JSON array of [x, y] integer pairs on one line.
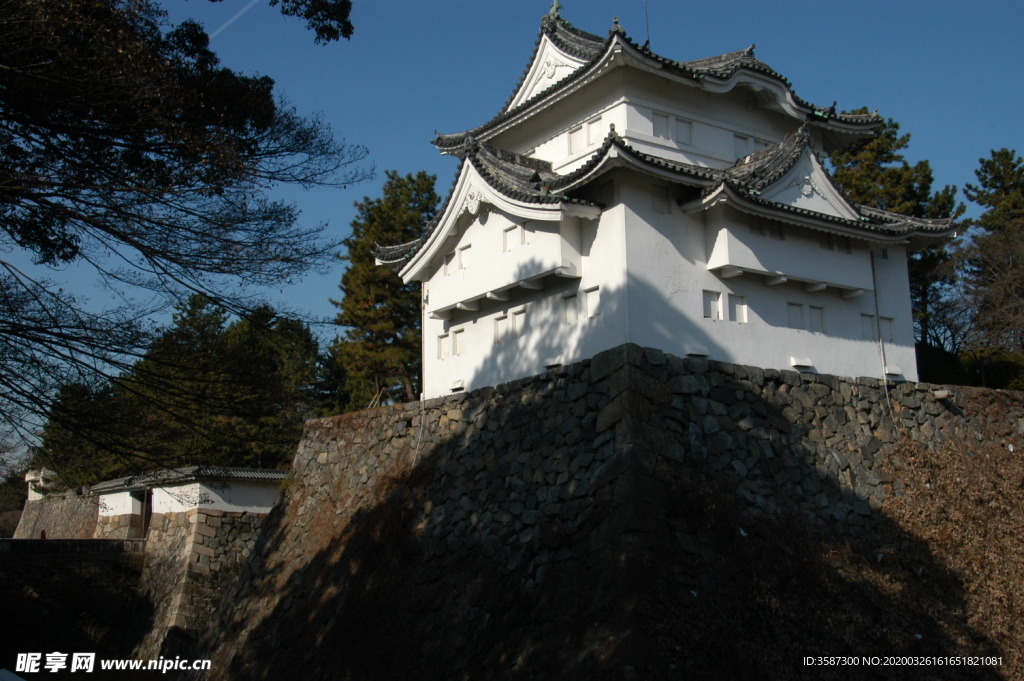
[[129, 503], [620, 196]]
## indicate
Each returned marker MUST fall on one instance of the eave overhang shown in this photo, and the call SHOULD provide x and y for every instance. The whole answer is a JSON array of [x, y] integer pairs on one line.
[[179, 476], [754, 182], [474, 192], [895, 229], [615, 152], [716, 74]]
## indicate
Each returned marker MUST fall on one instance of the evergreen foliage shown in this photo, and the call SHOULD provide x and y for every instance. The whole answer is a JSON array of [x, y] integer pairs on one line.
[[993, 261], [380, 349], [874, 172], [208, 391], [127, 148]]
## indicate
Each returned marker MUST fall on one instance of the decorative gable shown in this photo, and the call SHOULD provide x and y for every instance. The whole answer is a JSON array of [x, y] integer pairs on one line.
[[550, 65], [807, 186]]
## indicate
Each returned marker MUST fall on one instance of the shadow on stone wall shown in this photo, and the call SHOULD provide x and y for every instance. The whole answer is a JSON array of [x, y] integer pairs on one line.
[[632, 516]]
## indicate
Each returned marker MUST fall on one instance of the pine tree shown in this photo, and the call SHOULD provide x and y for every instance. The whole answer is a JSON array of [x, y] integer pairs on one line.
[[874, 172], [380, 349], [207, 392], [993, 261]]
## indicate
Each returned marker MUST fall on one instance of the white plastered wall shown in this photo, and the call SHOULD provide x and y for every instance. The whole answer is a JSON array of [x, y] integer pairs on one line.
[[229, 495], [240, 496], [668, 278], [119, 503], [548, 335]]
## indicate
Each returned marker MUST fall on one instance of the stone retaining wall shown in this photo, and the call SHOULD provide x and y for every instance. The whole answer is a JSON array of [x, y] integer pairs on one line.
[[191, 558], [125, 526], [61, 516], [508, 530], [219, 545]]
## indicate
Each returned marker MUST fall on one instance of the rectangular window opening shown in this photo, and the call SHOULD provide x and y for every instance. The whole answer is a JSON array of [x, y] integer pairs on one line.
[[816, 319], [712, 305], [661, 122], [443, 348], [737, 309], [519, 323], [459, 342], [570, 306], [795, 313], [577, 140], [661, 201], [887, 329], [739, 143], [464, 257], [513, 237], [684, 132], [593, 298], [868, 330], [501, 330]]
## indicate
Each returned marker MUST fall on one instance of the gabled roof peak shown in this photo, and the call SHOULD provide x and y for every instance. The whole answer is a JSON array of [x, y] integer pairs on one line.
[[588, 53]]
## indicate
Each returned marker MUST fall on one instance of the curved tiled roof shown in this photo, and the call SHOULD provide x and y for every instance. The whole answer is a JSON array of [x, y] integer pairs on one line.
[[698, 175], [566, 37], [529, 180], [591, 48], [520, 178], [763, 168], [177, 475], [760, 170]]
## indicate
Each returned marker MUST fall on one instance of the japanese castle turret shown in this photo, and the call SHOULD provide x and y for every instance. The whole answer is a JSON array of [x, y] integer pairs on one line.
[[623, 197]]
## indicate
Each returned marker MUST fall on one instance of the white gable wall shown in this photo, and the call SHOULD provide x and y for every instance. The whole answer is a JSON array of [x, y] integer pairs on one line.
[[550, 65], [547, 133], [722, 127]]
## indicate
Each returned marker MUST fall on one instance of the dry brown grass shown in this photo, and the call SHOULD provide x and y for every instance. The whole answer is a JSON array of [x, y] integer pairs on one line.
[[967, 506]]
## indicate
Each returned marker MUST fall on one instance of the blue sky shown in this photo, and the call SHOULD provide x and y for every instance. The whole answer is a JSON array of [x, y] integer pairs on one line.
[[948, 72]]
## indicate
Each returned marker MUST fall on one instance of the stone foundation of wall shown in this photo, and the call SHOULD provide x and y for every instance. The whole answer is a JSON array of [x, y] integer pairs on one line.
[[61, 516], [191, 558], [511, 531]]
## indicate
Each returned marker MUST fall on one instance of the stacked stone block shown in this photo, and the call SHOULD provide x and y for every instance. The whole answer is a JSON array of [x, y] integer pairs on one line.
[[61, 516], [543, 478]]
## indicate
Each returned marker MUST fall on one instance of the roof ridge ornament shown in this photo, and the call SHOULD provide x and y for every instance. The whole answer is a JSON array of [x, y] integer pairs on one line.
[[556, 10]]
